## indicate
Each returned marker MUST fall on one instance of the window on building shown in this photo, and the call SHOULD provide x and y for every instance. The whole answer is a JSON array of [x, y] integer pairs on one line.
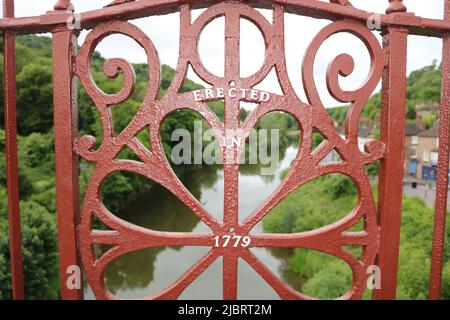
[[426, 156], [434, 158], [413, 152], [415, 140]]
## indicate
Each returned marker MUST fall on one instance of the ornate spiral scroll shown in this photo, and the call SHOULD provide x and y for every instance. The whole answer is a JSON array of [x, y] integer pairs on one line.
[[112, 68], [343, 65], [125, 237]]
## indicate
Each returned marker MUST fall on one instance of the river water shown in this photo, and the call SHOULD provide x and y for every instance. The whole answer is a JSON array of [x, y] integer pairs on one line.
[[148, 271]]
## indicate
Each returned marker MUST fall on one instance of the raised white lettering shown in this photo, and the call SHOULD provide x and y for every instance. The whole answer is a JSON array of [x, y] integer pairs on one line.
[[233, 92], [197, 95], [264, 97]]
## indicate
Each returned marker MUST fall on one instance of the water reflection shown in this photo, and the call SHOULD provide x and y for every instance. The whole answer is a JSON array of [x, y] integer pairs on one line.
[[148, 271], [160, 210]]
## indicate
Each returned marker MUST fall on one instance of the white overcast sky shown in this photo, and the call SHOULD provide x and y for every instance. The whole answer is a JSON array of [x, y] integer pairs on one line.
[[163, 31]]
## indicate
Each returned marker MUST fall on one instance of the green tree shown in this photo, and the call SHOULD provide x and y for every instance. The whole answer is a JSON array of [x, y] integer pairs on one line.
[[34, 99], [40, 258]]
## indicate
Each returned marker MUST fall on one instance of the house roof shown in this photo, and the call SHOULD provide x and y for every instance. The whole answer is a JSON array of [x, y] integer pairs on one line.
[[412, 130], [427, 107], [364, 130], [430, 133]]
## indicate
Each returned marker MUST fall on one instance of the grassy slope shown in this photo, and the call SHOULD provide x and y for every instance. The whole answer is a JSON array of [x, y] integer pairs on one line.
[[319, 203]]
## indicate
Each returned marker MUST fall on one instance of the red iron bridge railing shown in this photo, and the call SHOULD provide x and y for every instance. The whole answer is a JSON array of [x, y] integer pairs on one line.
[[381, 234]]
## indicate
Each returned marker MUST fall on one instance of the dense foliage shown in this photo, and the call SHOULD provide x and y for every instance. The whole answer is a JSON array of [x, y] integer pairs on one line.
[[423, 88], [328, 199]]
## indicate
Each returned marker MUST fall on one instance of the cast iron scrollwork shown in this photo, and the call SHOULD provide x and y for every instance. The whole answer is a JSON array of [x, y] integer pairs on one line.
[[125, 237]]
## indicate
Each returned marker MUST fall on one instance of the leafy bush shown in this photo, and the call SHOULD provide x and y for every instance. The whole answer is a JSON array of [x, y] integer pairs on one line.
[[330, 282], [315, 205], [40, 260]]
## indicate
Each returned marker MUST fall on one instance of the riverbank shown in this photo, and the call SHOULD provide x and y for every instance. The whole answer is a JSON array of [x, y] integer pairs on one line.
[[320, 203]]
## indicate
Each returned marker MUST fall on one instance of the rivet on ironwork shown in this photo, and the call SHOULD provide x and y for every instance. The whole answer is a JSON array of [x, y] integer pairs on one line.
[[62, 5], [343, 2], [116, 2], [396, 6]]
